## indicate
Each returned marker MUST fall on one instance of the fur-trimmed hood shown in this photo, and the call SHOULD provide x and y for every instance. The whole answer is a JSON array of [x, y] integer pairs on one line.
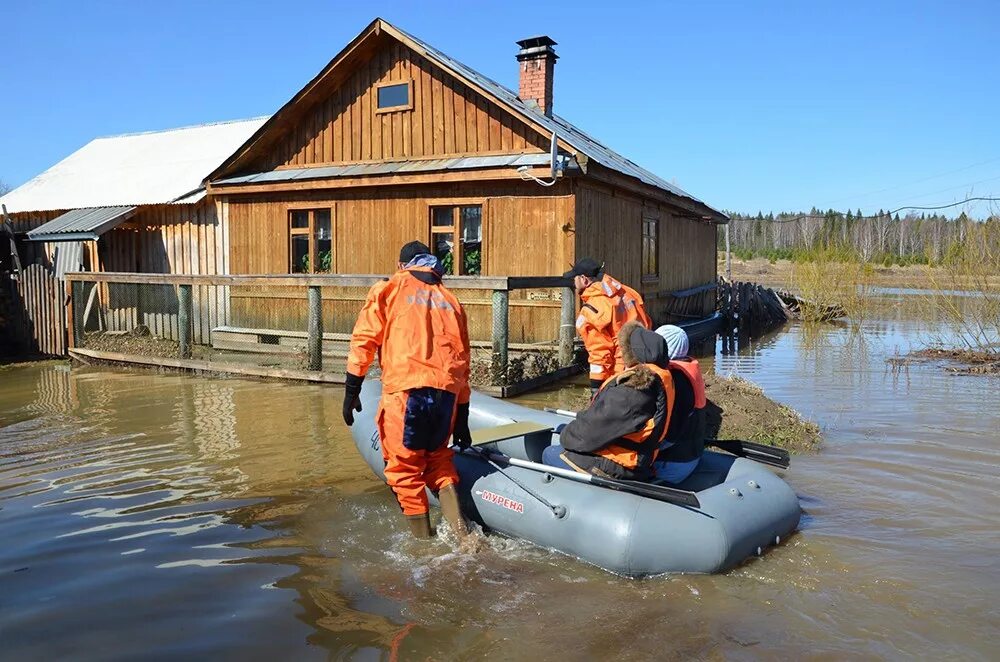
[[640, 345], [640, 377]]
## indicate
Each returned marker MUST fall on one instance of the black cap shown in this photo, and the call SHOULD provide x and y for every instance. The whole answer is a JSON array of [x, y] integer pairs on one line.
[[586, 266], [411, 250]]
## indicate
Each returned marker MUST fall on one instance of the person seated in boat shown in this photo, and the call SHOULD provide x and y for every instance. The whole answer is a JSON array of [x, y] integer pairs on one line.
[[606, 305], [619, 434], [681, 451]]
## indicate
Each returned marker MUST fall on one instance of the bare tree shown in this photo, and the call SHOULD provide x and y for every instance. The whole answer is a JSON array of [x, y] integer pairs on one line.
[[865, 240], [882, 225], [4, 188]]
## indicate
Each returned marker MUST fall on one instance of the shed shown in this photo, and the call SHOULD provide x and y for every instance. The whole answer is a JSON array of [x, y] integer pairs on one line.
[[132, 202]]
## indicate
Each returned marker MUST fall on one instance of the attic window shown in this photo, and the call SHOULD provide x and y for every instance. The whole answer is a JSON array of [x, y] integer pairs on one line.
[[394, 96]]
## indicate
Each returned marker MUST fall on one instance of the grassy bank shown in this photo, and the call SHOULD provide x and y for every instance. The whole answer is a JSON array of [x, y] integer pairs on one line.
[[738, 409], [781, 273], [958, 361]]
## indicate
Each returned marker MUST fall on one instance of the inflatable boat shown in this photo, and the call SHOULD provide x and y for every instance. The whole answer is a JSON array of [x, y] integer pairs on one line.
[[729, 509]]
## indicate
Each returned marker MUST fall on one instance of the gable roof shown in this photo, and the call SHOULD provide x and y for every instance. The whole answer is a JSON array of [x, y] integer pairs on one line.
[[156, 167], [569, 134]]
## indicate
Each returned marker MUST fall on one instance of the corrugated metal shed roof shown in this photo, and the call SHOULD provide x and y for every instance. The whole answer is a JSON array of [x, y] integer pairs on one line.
[[565, 130], [80, 224], [158, 167], [390, 167]]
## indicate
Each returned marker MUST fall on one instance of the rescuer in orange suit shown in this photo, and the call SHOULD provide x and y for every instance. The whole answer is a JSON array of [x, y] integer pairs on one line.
[[421, 335], [606, 305]]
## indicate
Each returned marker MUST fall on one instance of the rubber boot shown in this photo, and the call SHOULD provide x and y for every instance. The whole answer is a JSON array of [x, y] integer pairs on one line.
[[420, 525], [452, 512]]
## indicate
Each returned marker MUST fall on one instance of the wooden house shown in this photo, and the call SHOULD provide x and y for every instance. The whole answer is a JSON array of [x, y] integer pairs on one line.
[[394, 141]]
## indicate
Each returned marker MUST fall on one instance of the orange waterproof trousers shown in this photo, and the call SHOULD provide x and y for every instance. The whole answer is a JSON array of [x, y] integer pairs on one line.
[[414, 427]]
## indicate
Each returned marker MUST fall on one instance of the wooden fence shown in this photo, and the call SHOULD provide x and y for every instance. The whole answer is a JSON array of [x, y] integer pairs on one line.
[[316, 312], [38, 312]]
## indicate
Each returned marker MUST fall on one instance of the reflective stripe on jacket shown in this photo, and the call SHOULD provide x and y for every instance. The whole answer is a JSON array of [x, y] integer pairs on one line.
[[420, 332], [606, 306]]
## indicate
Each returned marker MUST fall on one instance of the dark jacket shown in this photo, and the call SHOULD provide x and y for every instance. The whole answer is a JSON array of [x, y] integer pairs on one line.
[[623, 406], [686, 434]]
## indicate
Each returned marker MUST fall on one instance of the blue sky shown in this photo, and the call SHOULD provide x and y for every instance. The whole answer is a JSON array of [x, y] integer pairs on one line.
[[747, 105]]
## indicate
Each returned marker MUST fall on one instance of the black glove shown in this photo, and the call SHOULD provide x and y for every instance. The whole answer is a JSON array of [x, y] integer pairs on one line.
[[462, 437], [352, 397], [595, 386]]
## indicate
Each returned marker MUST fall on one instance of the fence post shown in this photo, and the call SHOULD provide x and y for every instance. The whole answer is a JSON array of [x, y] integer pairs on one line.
[[70, 326], [729, 261], [77, 312], [184, 320], [501, 334], [315, 343], [567, 327]]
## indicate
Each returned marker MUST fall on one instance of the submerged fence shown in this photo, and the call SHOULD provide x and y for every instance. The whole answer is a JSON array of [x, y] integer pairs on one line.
[[521, 329]]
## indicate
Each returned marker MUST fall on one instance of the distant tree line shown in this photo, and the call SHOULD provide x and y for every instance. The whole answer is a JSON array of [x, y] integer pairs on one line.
[[882, 238]]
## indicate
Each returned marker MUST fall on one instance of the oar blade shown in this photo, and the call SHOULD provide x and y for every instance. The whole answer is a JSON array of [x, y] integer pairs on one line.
[[658, 492], [772, 455]]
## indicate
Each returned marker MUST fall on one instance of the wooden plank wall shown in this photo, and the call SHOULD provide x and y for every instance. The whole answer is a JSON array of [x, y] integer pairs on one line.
[[168, 239], [42, 316], [609, 228], [371, 224], [523, 235], [447, 118]]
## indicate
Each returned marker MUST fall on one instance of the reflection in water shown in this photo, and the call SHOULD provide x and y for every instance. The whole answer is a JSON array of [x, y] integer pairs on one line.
[[190, 517]]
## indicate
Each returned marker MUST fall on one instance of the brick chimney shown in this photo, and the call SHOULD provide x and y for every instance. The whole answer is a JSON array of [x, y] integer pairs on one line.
[[537, 62]]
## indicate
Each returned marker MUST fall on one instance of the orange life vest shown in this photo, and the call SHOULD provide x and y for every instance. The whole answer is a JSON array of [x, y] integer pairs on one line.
[[647, 440], [692, 370], [420, 333]]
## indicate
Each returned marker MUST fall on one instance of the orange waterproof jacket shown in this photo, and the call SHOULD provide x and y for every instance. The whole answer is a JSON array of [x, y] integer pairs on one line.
[[420, 332], [606, 307]]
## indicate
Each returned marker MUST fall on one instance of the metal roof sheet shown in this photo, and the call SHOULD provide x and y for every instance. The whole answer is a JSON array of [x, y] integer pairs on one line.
[[69, 257], [566, 131], [158, 167], [86, 223], [390, 167]]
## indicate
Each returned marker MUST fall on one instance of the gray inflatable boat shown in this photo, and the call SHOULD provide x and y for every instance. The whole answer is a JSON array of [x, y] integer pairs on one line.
[[729, 509]]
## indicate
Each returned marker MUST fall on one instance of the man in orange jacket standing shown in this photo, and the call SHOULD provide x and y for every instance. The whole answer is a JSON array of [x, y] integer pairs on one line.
[[421, 335], [606, 305]]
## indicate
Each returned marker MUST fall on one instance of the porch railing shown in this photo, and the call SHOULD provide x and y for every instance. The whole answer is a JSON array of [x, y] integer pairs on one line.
[[521, 328]]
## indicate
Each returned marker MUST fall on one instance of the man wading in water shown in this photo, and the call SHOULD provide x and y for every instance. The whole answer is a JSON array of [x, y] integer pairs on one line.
[[420, 332]]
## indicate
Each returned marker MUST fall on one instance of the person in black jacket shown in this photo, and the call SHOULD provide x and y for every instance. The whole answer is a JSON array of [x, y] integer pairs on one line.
[[618, 435]]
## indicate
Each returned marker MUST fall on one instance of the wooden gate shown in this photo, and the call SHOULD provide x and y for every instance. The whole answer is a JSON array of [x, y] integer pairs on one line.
[[41, 312]]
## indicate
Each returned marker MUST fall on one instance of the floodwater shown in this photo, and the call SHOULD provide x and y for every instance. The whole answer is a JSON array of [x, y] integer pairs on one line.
[[170, 516]]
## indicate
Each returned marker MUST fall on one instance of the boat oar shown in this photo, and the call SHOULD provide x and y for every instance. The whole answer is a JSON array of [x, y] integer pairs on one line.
[[648, 490], [763, 453]]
